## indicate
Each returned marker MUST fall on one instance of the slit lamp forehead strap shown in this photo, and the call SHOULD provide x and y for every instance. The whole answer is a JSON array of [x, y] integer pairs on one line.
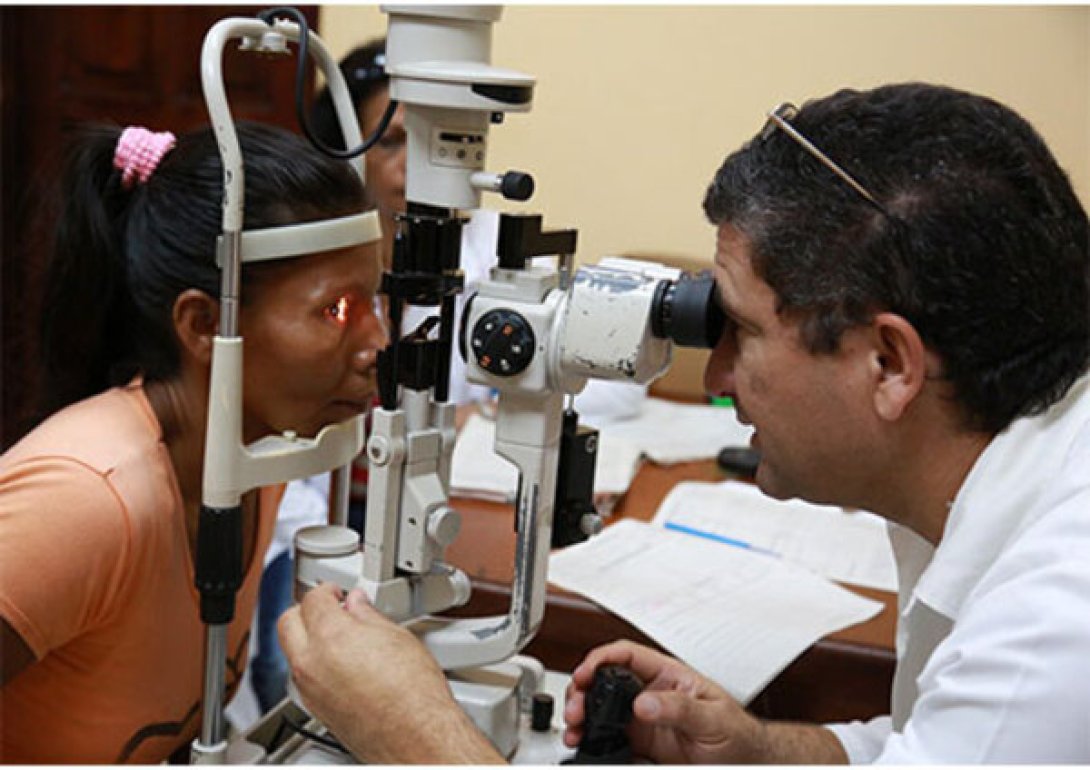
[[306, 238]]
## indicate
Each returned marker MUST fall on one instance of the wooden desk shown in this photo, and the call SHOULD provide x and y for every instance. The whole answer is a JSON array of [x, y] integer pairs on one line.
[[847, 675]]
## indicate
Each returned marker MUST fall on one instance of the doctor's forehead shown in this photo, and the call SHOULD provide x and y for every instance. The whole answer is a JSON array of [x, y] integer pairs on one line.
[[732, 256]]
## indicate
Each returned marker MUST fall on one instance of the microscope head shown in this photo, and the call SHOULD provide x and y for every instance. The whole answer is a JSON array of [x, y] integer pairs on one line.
[[438, 58]]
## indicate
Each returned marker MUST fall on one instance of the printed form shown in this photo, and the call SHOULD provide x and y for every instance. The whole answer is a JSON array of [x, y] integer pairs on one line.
[[736, 615], [846, 547]]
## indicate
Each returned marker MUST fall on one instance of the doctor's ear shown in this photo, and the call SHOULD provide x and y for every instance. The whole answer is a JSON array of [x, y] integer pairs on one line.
[[196, 320], [900, 364]]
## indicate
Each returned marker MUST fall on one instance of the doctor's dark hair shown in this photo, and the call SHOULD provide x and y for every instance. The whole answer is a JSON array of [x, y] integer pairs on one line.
[[983, 247], [122, 256], [364, 70]]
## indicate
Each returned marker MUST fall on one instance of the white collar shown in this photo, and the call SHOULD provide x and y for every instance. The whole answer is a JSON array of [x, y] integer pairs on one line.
[[998, 499]]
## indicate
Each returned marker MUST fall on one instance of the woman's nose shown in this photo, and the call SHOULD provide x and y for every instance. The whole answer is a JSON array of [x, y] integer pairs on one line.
[[364, 360], [372, 338], [719, 372]]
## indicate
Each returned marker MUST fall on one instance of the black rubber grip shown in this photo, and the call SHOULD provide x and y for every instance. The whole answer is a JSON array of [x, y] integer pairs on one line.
[[219, 562]]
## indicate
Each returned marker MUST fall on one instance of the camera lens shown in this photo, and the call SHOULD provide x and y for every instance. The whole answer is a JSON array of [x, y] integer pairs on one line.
[[686, 311]]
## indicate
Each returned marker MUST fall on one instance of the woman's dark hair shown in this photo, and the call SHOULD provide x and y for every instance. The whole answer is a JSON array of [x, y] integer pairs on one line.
[[984, 247], [122, 256], [364, 71]]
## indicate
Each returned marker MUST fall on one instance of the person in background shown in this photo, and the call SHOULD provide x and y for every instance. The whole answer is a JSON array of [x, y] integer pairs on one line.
[[101, 638], [906, 277], [598, 404]]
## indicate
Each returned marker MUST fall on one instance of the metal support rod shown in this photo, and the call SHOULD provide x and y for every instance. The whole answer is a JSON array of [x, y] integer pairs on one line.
[[215, 656], [229, 282]]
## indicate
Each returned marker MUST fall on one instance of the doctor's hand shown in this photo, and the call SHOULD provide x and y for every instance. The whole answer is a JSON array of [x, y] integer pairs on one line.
[[680, 717], [374, 685]]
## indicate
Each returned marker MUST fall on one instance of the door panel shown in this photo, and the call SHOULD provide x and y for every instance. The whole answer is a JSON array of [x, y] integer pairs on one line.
[[66, 66]]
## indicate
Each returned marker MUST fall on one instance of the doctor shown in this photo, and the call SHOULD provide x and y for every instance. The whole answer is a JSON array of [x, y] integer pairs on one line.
[[906, 277]]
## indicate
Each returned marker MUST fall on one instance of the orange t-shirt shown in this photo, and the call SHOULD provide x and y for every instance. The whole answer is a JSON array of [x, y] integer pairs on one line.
[[97, 578]]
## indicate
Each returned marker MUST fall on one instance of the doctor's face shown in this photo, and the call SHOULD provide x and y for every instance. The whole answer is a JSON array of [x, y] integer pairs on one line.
[[803, 406]]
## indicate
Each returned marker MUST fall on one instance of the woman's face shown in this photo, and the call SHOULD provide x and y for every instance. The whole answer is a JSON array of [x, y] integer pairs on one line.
[[311, 336]]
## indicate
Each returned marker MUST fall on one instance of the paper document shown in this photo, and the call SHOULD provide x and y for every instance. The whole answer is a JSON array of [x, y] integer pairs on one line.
[[737, 616], [477, 471], [668, 432], [848, 547]]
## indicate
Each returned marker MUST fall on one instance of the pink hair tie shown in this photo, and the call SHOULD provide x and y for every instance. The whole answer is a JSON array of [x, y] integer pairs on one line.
[[139, 152]]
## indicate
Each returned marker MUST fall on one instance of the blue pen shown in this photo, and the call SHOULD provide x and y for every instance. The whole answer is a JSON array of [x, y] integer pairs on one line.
[[719, 538]]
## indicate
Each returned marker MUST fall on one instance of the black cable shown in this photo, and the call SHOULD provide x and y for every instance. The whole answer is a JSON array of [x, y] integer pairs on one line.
[[324, 740], [268, 16]]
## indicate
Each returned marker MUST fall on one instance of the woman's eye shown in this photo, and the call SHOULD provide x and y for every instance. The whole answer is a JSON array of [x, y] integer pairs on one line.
[[338, 311]]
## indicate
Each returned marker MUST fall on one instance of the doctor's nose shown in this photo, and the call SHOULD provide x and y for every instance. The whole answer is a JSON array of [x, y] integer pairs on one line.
[[719, 372]]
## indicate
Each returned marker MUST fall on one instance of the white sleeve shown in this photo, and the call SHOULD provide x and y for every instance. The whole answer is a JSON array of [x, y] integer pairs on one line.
[[1009, 685], [862, 741]]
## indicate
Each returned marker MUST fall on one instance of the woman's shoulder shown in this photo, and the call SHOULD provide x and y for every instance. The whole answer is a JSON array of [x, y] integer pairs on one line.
[[102, 432], [99, 462]]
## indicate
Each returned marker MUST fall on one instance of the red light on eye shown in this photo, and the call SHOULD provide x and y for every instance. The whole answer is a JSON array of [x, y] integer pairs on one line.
[[338, 311]]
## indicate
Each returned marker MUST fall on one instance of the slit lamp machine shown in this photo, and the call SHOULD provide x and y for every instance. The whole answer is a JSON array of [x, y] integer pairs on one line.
[[535, 331]]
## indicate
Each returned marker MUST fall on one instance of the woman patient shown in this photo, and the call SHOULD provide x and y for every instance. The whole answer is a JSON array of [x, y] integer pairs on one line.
[[101, 639]]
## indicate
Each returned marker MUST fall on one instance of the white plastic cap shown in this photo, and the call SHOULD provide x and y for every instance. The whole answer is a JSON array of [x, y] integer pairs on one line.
[[326, 540]]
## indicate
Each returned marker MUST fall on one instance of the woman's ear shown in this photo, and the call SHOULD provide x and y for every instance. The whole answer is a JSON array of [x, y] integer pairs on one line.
[[196, 320], [900, 359]]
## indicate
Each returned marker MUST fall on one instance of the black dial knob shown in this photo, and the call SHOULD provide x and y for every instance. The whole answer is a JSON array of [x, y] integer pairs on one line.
[[517, 186], [502, 342]]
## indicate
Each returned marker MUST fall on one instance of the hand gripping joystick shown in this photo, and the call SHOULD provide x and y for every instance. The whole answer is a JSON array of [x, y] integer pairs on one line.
[[608, 712]]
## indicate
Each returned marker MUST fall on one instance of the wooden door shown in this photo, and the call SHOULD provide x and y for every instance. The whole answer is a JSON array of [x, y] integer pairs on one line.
[[64, 66]]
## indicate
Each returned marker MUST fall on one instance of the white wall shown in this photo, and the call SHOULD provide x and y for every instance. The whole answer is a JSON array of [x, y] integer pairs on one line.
[[636, 106]]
